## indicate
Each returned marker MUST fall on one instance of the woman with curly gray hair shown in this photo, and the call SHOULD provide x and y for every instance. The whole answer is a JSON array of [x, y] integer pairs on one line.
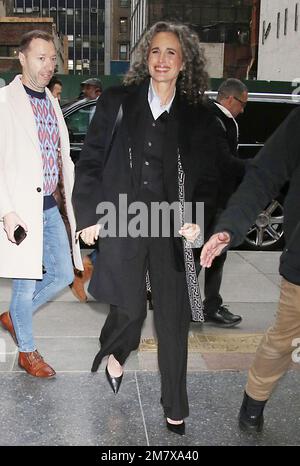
[[192, 80], [153, 140]]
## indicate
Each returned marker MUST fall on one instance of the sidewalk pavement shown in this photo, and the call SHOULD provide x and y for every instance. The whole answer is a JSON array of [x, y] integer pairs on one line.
[[78, 407]]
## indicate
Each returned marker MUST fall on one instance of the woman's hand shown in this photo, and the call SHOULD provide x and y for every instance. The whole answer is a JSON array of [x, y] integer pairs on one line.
[[190, 231], [89, 235]]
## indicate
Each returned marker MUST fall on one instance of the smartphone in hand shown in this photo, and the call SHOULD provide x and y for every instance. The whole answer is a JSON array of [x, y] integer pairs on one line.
[[19, 234]]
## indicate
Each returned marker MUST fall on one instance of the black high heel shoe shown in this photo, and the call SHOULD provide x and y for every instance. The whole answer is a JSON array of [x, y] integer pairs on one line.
[[176, 428], [114, 382]]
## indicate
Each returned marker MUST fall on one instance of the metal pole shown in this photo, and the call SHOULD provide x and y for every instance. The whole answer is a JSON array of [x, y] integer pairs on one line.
[[90, 41], [82, 16], [107, 32], [74, 41], [97, 40]]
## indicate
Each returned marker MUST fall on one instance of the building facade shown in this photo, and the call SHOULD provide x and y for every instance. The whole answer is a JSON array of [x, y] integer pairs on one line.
[[11, 31], [120, 36], [81, 21], [223, 27], [6, 7], [279, 39]]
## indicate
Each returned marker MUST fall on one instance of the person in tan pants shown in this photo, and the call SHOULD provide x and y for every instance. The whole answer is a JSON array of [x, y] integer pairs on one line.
[[273, 355], [277, 163]]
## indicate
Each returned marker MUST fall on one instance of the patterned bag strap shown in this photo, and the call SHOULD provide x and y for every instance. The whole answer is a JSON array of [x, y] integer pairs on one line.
[[194, 293]]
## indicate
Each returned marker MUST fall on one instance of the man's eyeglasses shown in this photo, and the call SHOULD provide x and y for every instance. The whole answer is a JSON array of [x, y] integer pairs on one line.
[[243, 104]]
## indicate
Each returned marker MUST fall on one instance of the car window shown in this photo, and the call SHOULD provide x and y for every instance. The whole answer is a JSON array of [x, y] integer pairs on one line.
[[261, 119], [78, 123]]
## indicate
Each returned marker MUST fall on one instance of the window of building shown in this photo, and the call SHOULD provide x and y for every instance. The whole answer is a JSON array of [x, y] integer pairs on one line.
[[296, 17], [9, 51], [13, 51], [278, 26], [85, 64], [285, 21], [263, 32], [78, 65], [123, 52], [123, 25], [124, 3]]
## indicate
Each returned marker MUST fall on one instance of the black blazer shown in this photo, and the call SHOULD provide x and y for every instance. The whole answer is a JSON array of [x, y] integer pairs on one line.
[[232, 169], [229, 127], [191, 129]]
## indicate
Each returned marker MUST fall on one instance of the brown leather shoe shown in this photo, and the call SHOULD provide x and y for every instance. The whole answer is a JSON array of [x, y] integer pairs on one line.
[[34, 364], [77, 287], [8, 325], [81, 278]]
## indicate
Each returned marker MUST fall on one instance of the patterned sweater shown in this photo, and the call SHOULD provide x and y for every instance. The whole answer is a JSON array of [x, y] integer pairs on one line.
[[48, 134]]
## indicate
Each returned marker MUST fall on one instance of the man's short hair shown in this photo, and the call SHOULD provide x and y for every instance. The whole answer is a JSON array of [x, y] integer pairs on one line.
[[54, 80], [29, 36], [93, 82], [231, 86]]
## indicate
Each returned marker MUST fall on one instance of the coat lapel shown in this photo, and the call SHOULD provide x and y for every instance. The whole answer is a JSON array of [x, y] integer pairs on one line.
[[177, 140], [134, 108], [170, 151], [23, 111]]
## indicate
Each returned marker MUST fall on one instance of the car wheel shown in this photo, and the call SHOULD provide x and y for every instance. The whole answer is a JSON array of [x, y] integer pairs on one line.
[[267, 232]]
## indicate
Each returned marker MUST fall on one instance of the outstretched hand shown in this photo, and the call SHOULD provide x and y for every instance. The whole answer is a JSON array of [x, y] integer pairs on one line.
[[214, 247]]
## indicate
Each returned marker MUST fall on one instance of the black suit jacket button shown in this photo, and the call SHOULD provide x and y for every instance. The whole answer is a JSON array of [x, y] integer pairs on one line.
[[39, 190]]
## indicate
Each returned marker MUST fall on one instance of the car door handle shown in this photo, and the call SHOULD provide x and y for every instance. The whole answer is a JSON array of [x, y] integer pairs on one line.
[[76, 148]]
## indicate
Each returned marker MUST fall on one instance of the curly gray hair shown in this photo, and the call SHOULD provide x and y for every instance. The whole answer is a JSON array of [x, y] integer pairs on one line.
[[192, 81]]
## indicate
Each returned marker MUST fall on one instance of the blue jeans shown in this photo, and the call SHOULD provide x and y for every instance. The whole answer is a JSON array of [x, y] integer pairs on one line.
[[28, 295], [93, 256]]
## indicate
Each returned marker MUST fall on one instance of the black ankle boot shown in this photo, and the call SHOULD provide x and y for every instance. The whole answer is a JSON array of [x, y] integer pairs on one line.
[[251, 417]]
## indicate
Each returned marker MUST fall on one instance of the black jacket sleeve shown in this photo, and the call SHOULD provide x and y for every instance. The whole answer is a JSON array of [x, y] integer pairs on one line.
[[271, 168], [89, 169]]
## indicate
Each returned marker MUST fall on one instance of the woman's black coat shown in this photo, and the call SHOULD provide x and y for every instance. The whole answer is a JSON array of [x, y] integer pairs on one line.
[[190, 129]]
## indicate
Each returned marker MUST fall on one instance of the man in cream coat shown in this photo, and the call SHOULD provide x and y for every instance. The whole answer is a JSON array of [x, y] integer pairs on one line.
[[36, 175]]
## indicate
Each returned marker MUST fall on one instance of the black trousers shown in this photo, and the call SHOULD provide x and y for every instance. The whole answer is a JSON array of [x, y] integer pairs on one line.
[[212, 284], [212, 276], [122, 329]]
